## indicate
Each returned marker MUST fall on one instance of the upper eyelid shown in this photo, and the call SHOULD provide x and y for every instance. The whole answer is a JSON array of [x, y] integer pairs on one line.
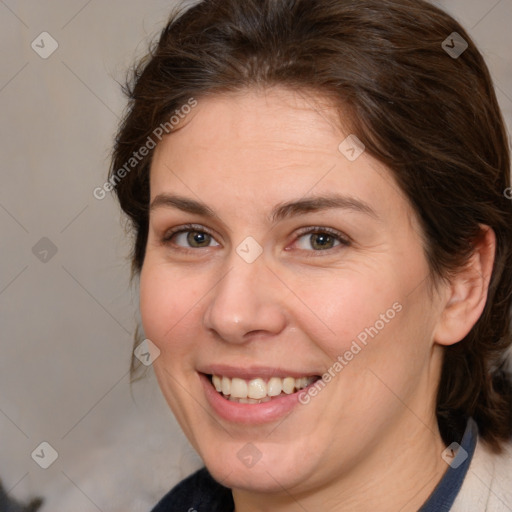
[[187, 227], [323, 229]]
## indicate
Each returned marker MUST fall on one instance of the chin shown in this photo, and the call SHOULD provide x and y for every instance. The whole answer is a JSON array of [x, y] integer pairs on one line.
[[243, 466]]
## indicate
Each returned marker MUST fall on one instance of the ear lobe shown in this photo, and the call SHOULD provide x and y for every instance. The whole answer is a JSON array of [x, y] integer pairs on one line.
[[467, 291]]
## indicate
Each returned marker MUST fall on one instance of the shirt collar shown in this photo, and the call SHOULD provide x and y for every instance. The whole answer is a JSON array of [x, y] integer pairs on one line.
[[458, 457]]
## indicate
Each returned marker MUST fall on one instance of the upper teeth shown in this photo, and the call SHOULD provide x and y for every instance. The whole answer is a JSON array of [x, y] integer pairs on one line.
[[259, 388]]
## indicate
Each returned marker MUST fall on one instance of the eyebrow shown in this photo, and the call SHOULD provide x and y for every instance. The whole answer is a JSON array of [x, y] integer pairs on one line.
[[280, 212]]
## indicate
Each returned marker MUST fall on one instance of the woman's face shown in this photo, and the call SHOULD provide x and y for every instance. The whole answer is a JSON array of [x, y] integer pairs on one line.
[[302, 260]]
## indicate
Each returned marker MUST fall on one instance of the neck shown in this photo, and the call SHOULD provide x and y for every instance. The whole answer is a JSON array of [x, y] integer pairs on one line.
[[399, 474]]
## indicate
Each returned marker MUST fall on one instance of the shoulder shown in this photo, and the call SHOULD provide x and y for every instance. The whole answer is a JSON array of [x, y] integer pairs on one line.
[[488, 483], [199, 491]]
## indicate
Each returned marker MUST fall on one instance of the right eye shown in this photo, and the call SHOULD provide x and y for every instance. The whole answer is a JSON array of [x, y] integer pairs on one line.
[[189, 237]]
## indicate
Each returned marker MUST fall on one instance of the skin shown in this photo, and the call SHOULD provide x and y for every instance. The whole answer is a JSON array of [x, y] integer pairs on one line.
[[369, 440]]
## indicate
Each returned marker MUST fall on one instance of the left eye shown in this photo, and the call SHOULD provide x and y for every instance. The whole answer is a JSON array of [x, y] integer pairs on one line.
[[320, 240]]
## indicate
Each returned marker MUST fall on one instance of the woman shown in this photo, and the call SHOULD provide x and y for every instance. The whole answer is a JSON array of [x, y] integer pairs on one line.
[[325, 255]]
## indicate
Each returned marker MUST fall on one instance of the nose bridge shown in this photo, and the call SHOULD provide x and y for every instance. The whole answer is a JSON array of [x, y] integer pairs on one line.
[[246, 299]]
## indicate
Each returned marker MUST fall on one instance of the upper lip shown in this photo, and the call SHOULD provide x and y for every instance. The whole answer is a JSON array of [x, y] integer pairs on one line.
[[253, 372]]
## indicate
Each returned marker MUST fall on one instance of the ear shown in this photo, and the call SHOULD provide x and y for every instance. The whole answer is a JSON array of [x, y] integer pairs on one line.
[[466, 294]]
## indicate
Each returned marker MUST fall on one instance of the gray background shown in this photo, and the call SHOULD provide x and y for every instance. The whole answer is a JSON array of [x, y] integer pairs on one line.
[[67, 322]]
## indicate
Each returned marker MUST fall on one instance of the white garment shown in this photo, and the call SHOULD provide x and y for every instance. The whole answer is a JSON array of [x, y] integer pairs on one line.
[[487, 486]]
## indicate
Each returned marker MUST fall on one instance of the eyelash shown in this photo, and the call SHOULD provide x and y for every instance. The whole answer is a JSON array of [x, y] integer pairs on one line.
[[342, 239]]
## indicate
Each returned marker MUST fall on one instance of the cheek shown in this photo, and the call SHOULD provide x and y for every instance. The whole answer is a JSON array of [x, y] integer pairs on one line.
[[373, 319], [341, 308], [167, 303]]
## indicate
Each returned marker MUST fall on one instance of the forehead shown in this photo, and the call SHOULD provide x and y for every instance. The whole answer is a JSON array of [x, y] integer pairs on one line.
[[266, 144], [261, 120]]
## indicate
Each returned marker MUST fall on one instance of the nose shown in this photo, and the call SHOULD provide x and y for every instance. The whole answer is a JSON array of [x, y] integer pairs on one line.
[[247, 301]]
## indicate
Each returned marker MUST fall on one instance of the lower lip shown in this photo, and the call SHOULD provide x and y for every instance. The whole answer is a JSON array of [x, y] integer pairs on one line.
[[264, 412]]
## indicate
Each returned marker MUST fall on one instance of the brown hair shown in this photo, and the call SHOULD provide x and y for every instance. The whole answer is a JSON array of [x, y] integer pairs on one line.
[[431, 117]]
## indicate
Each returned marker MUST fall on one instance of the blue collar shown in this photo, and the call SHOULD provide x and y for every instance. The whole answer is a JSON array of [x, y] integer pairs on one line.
[[458, 460]]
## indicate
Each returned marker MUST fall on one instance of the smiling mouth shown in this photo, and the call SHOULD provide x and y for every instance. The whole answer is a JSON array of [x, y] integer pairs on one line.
[[259, 390]]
